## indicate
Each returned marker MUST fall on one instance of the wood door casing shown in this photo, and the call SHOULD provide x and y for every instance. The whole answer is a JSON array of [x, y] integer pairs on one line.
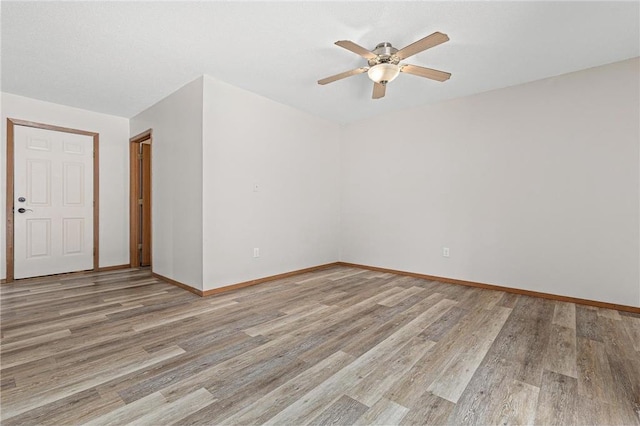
[[146, 204]]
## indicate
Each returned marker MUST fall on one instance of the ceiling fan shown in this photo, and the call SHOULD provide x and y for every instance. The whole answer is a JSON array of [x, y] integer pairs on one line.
[[384, 62]]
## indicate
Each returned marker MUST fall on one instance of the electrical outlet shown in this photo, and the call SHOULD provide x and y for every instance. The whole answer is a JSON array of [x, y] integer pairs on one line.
[[445, 251], [256, 252]]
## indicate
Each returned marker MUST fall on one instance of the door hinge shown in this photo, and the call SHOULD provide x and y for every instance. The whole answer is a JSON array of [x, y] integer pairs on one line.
[[139, 246], [140, 201], [139, 156]]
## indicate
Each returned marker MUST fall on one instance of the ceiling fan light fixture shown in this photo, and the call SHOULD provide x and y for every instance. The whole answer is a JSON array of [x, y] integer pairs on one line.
[[384, 62], [383, 73]]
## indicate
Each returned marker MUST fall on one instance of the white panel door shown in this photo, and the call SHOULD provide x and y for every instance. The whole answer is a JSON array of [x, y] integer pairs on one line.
[[53, 206]]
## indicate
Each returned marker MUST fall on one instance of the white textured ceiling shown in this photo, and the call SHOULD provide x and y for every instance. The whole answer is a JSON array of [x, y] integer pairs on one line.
[[121, 57]]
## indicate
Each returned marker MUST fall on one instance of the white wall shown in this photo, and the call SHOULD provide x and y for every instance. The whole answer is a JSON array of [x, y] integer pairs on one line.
[[114, 168], [294, 158], [176, 162], [534, 186]]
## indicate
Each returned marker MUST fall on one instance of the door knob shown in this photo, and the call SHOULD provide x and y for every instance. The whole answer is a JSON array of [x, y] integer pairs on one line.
[[23, 210]]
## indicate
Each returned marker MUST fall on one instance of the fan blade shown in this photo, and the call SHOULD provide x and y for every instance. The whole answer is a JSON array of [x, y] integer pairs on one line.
[[343, 75], [357, 49], [422, 44], [425, 72], [379, 90]]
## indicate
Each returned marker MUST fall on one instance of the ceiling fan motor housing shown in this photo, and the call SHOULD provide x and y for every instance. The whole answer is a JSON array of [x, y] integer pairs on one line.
[[385, 54]]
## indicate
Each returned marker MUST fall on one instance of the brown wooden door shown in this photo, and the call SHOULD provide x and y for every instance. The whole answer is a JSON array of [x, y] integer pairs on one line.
[[140, 200]]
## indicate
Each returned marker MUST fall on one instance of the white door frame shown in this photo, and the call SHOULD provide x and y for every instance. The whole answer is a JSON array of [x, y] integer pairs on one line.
[[11, 122]]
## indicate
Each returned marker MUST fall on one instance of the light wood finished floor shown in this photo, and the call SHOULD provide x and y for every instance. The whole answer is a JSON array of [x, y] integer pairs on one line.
[[338, 346]]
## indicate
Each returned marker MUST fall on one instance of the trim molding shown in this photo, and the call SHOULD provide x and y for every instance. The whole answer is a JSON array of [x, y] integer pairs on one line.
[[96, 202], [499, 288], [141, 137], [114, 267], [549, 296], [266, 279], [9, 203], [177, 284], [242, 284]]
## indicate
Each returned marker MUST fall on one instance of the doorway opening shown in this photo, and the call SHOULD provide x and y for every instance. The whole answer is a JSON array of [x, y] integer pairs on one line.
[[140, 200]]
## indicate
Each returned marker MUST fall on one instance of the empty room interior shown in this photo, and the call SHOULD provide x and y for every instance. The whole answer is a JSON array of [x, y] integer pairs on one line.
[[372, 213]]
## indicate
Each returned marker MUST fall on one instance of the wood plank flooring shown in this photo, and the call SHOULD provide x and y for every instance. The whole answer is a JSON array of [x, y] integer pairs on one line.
[[337, 346]]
